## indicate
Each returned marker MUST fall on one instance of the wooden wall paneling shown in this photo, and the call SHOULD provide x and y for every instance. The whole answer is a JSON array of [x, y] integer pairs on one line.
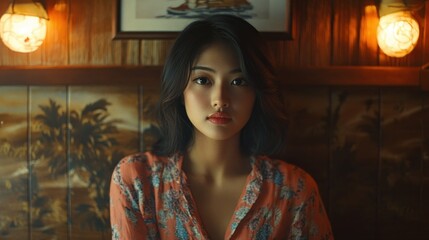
[[126, 52], [425, 35], [101, 36], [313, 32], [154, 52], [90, 33], [400, 167], [354, 151], [147, 52], [345, 38], [11, 58], [38, 57], [14, 175], [54, 50], [49, 175], [278, 50], [306, 144], [417, 55], [81, 31], [368, 46]]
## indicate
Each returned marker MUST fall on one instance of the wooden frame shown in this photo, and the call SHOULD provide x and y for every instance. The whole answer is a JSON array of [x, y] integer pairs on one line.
[[276, 22], [149, 76]]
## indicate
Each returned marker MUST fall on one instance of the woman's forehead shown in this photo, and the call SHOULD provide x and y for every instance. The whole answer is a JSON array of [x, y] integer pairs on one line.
[[216, 51]]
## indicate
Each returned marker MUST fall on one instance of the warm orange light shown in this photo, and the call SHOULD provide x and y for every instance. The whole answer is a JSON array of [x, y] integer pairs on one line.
[[23, 27], [397, 33]]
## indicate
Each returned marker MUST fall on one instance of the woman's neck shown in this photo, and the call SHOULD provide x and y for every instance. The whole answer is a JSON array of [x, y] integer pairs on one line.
[[216, 160]]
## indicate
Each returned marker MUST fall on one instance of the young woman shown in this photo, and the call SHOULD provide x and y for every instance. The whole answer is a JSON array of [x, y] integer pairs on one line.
[[210, 177]]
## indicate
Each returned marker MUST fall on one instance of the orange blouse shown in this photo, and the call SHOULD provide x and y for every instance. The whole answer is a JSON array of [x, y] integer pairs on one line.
[[150, 199]]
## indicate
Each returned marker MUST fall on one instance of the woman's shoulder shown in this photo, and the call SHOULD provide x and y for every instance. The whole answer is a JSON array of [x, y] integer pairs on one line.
[[284, 173], [139, 165], [141, 159]]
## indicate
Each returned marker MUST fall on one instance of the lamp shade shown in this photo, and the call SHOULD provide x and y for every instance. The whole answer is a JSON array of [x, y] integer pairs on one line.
[[23, 26], [397, 33]]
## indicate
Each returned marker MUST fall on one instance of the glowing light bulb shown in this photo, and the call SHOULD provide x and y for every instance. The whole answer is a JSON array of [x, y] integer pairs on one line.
[[22, 30], [397, 33]]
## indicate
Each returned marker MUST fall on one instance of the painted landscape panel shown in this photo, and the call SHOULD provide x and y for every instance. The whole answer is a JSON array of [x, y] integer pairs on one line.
[[76, 135], [354, 159], [14, 174], [104, 128], [401, 175]]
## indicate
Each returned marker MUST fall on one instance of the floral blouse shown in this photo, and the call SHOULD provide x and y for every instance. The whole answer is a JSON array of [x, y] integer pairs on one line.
[[150, 199]]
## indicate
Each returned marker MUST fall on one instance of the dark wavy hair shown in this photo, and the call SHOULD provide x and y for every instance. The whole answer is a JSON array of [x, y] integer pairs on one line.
[[264, 133]]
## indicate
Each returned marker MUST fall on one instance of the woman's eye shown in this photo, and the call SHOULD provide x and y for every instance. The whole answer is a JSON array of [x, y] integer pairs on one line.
[[202, 81], [239, 82]]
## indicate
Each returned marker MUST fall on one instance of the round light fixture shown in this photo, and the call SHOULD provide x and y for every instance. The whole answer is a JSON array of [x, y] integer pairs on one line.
[[397, 33], [23, 26]]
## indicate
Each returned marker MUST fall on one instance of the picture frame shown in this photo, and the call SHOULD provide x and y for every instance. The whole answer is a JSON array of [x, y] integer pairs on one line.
[[155, 19]]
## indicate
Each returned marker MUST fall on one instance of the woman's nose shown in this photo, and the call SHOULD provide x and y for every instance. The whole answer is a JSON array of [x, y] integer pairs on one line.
[[220, 98]]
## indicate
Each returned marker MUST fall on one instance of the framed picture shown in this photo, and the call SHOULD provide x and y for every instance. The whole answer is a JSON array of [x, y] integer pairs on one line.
[[162, 19]]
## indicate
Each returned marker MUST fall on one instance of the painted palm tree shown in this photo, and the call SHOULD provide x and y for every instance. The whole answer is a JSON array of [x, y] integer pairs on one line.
[[369, 123], [51, 142], [91, 136], [92, 157]]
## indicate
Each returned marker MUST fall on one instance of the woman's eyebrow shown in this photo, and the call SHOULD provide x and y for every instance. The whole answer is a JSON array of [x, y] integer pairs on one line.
[[235, 70], [202, 68]]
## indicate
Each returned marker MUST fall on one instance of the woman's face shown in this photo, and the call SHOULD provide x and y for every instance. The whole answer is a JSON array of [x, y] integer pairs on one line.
[[217, 98]]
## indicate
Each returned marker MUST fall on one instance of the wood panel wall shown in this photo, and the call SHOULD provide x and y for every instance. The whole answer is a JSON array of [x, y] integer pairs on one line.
[[367, 147], [325, 33]]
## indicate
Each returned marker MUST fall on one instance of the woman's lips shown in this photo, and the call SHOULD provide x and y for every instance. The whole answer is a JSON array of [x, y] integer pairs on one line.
[[219, 118]]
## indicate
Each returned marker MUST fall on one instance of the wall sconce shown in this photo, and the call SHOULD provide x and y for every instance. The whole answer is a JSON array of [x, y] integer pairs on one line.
[[397, 31], [23, 26]]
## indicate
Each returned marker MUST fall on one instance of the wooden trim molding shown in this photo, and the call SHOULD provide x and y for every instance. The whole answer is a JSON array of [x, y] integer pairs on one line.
[[352, 76], [80, 75], [150, 75]]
